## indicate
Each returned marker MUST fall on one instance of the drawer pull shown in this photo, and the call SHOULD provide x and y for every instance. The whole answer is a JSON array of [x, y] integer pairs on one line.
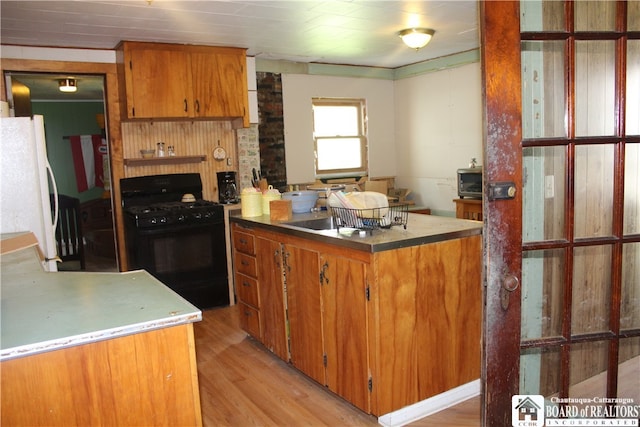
[[247, 313], [243, 241], [247, 284], [243, 262]]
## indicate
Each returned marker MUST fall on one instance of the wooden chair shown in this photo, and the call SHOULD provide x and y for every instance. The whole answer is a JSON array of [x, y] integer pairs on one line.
[[69, 238]]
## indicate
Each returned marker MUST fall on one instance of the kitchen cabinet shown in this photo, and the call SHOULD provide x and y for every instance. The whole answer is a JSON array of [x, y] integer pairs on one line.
[[259, 288], [246, 279], [304, 311], [428, 316], [383, 320], [161, 80], [327, 311], [345, 293], [272, 311]]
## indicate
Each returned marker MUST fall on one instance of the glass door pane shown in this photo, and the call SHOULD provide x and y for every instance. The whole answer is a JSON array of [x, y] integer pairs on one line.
[[595, 83], [632, 189], [629, 369], [633, 88], [588, 370], [591, 290], [543, 89], [544, 182], [593, 201], [542, 294], [630, 300], [595, 15]]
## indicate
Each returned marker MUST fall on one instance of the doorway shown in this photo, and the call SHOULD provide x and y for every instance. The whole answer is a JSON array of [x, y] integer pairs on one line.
[[71, 120]]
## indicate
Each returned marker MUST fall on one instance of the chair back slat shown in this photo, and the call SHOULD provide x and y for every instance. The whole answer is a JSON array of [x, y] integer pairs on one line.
[[69, 238]]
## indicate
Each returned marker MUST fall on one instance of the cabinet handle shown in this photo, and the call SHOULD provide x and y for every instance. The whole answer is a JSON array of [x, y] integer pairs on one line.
[[243, 241], [286, 261], [246, 284], [197, 106], [243, 262], [247, 313], [323, 274], [186, 105]]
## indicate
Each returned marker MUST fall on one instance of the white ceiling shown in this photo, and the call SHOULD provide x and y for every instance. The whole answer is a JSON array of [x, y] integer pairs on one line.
[[353, 32]]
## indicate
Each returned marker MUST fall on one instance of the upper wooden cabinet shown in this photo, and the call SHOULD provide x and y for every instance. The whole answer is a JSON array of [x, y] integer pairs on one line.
[[183, 81]]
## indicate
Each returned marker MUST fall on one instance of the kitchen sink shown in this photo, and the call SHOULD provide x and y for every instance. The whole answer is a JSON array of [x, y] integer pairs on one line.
[[326, 223]]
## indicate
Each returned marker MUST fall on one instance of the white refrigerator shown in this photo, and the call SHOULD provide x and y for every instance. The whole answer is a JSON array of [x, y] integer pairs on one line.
[[25, 174]]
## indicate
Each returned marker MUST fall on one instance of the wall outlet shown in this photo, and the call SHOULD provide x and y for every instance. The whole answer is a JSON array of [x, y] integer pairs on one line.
[[549, 186]]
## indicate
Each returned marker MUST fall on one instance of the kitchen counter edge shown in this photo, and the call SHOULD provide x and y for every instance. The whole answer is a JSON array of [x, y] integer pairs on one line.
[[420, 230]]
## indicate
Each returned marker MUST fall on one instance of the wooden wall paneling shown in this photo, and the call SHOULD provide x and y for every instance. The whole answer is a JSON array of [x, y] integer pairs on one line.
[[190, 138], [148, 378]]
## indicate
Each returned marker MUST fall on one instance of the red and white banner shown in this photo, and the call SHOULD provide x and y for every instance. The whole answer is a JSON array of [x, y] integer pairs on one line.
[[88, 152]]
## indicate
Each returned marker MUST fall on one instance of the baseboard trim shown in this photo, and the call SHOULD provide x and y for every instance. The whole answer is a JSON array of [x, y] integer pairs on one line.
[[430, 406]]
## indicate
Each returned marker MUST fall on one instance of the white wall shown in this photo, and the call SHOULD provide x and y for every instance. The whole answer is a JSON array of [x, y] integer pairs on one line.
[[297, 91], [438, 122]]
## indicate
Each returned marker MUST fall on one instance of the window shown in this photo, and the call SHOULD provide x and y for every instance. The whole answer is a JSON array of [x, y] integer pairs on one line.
[[339, 136]]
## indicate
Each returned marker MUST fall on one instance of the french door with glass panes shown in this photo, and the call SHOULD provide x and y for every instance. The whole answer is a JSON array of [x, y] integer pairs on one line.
[[562, 110]]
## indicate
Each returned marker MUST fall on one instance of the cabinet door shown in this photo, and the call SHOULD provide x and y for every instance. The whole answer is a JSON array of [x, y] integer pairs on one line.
[[304, 309], [271, 294], [219, 84], [158, 83], [344, 322]]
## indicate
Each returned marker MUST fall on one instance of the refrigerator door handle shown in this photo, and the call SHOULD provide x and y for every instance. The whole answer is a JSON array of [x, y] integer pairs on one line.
[[55, 195]]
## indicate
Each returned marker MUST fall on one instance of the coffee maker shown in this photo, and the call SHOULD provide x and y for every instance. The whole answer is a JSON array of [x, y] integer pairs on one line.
[[227, 189]]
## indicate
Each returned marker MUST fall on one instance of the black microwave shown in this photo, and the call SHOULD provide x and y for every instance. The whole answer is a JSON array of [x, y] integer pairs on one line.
[[470, 183]]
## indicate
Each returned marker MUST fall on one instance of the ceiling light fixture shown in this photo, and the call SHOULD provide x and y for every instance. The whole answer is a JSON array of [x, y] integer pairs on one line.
[[67, 85], [416, 38]]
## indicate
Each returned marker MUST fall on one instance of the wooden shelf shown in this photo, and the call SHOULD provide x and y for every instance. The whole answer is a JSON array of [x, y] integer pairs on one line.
[[152, 161]]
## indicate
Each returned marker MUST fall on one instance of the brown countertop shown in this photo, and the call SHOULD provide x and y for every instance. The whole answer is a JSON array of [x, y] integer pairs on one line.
[[421, 229]]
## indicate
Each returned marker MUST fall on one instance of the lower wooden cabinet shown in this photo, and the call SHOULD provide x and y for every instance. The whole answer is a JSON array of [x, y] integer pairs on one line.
[[146, 378], [305, 311], [345, 301], [249, 319], [382, 330], [272, 311]]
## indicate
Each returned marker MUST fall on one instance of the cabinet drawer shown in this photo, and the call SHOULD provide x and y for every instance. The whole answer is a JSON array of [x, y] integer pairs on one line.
[[247, 289], [249, 320], [245, 264], [244, 242]]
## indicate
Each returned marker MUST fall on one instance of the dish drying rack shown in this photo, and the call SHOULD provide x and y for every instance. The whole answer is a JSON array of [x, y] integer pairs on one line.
[[371, 218]]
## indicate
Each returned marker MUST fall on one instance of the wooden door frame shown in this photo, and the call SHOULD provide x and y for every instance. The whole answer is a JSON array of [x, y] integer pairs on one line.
[[112, 109], [502, 251]]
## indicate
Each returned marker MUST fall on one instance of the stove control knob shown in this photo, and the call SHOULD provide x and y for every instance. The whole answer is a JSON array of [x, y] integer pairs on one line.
[[153, 220], [197, 215], [163, 219], [181, 218]]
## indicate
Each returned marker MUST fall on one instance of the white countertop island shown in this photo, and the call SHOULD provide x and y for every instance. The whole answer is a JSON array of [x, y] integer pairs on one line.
[[43, 311], [121, 338]]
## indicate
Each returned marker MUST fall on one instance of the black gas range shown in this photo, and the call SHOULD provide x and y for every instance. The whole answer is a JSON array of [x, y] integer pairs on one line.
[[182, 243], [176, 213]]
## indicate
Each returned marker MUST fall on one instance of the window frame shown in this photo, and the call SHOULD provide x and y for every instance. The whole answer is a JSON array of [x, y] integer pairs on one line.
[[360, 104]]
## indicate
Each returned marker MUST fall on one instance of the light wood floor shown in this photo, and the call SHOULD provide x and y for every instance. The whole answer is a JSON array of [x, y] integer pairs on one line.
[[242, 384]]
